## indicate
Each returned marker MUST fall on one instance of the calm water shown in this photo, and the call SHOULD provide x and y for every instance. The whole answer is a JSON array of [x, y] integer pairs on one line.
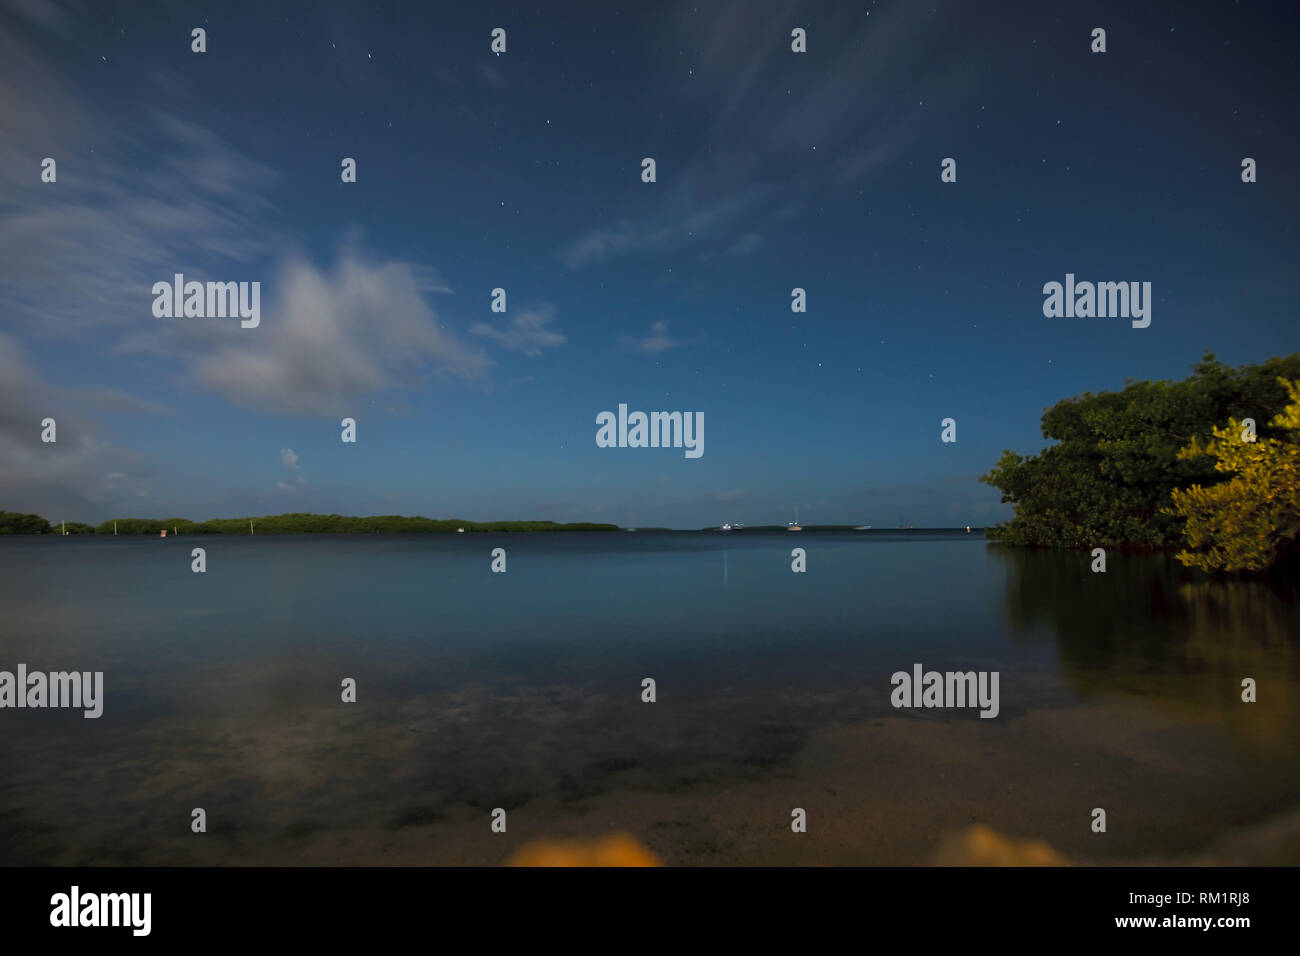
[[523, 691]]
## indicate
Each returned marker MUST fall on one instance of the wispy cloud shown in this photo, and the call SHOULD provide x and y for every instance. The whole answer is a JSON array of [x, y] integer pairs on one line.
[[526, 332], [108, 399], [746, 245], [74, 477], [490, 75], [843, 122], [657, 341], [78, 257], [682, 223]]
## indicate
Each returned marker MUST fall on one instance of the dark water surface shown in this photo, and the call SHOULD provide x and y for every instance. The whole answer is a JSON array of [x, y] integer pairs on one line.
[[523, 691]]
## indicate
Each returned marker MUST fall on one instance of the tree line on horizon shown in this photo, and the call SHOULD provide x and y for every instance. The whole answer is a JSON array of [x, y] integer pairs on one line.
[[17, 522], [1158, 465], [12, 522], [1167, 465]]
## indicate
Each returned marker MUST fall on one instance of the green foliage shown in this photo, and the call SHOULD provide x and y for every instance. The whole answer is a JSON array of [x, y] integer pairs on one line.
[[13, 522], [1248, 522], [1108, 480], [150, 526], [75, 527], [335, 524]]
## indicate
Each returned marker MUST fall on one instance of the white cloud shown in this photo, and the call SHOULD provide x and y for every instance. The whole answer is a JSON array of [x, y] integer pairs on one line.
[[331, 338], [657, 341], [526, 332], [105, 231], [684, 222], [289, 458], [78, 258], [76, 477]]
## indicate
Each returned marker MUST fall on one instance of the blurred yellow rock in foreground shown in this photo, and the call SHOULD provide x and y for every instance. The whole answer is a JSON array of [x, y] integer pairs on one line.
[[980, 846], [617, 850]]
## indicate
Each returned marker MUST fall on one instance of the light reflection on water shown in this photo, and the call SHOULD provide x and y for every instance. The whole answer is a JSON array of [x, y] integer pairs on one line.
[[522, 690]]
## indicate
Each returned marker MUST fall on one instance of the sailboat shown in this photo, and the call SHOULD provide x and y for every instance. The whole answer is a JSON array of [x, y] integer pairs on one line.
[[795, 525]]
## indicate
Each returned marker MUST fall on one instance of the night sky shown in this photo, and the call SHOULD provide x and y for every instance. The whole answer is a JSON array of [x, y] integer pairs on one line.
[[775, 170]]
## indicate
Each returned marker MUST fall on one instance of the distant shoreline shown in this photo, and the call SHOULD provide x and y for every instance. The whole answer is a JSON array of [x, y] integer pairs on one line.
[[16, 523], [765, 528], [293, 523]]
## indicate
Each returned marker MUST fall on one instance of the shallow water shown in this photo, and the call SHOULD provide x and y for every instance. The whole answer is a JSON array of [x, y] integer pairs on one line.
[[523, 691]]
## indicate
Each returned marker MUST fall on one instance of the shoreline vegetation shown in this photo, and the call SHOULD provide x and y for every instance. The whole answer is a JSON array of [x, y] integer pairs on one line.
[[1208, 467], [296, 523], [13, 522]]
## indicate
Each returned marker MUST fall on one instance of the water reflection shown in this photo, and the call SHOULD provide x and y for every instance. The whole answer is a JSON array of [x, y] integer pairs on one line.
[[1148, 627], [523, 691]]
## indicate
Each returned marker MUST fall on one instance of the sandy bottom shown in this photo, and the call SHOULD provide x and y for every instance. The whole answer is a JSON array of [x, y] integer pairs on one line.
[[352, 787]]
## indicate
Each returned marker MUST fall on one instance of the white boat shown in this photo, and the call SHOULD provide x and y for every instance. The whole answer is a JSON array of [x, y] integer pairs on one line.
[[725, 527], [863, 527]]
